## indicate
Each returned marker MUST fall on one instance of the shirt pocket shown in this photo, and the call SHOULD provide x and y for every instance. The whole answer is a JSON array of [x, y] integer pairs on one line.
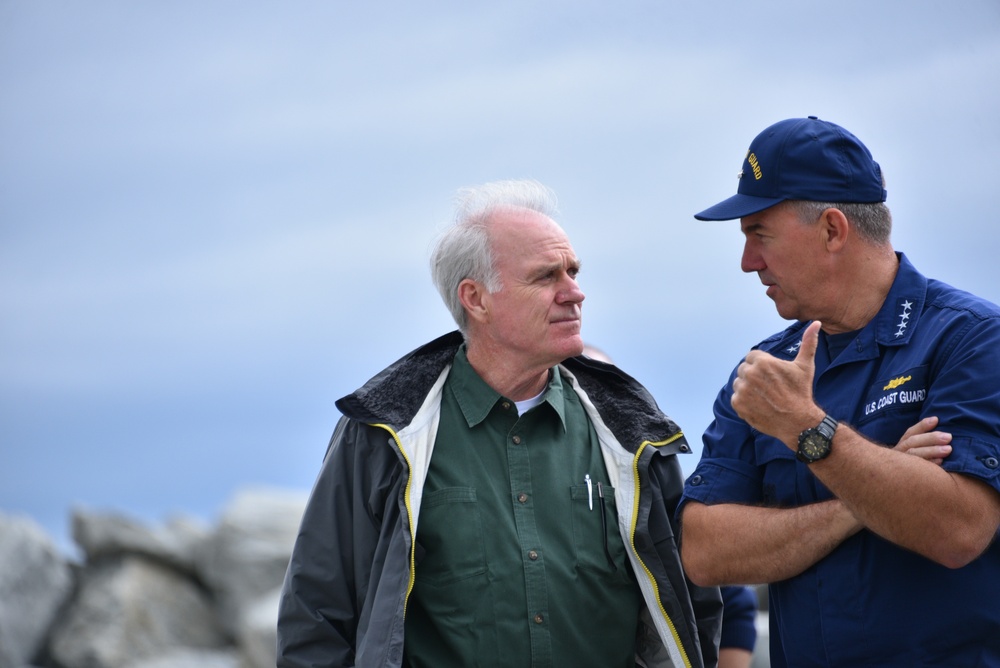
[[892, 405], [450, 534], [597, 543]]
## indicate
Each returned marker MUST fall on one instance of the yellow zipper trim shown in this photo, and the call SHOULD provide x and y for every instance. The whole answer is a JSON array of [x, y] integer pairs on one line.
[[635, 520], [409, 514]]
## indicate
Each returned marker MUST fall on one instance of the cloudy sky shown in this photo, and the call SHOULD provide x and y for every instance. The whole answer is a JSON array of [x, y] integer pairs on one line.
[[215, 217]]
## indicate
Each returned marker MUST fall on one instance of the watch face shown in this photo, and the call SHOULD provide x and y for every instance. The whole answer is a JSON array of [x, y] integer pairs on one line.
[[813, 445]]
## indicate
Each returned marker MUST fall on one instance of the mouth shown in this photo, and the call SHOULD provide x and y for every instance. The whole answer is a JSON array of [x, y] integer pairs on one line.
[[573, 315], [569, 320], [770, 288]]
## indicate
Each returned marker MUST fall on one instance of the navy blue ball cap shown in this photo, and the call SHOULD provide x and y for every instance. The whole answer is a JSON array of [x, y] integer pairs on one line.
[[802, 159]]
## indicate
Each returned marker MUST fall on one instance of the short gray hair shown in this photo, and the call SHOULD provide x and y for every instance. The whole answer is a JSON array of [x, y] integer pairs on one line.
[[871, 220], [464, 249]]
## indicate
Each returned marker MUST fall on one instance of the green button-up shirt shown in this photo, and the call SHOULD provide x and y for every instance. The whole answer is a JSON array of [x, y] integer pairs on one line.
[[519, 557]]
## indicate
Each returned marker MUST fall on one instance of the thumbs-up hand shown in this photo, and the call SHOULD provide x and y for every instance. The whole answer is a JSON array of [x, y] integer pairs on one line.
[[775, 396]]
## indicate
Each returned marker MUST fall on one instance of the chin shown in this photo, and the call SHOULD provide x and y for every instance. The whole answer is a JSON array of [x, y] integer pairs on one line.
[[567, 349], [786, 311], [576, 348]]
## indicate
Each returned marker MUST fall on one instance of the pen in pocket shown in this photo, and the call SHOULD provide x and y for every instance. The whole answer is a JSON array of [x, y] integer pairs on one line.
[[604, 526]]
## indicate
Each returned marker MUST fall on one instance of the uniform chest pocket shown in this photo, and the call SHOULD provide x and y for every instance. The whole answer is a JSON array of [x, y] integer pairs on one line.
[[892, 405]]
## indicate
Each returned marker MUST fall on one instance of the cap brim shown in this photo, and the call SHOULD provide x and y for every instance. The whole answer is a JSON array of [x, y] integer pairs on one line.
[[738, 206]]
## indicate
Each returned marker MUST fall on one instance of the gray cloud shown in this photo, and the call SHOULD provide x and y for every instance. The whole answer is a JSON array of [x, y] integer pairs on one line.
[[215, 219]]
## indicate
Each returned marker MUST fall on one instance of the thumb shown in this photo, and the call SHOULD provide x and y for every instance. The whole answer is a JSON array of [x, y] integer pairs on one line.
[[810, 341]]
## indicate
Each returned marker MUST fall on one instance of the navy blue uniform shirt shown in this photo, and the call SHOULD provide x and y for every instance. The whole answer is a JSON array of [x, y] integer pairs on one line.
[[931, 350]]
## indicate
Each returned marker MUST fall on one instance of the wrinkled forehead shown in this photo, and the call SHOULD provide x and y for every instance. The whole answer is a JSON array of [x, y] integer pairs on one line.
[[517, 225], [529, 238]]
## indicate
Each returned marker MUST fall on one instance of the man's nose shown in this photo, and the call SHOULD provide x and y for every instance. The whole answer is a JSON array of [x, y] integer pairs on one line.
[[571, 294], [751, 260]]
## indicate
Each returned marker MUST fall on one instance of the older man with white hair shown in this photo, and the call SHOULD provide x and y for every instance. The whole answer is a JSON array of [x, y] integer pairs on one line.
[[493, 498]]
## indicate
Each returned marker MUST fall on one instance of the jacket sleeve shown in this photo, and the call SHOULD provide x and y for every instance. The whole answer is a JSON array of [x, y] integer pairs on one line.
[[323, 596], [700, 606]]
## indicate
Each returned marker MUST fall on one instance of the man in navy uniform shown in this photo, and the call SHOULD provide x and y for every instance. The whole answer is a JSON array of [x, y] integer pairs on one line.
[[875, 557]]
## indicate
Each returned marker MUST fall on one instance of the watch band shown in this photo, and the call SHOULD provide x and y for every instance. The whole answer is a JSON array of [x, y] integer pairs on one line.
[[828, 427]]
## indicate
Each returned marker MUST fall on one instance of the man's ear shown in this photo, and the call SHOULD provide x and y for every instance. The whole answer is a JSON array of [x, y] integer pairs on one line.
[[834, 228], [474, 299]]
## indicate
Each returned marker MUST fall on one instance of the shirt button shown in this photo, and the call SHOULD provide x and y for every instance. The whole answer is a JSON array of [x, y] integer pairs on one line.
[[506, 405], [517, 440], [522, 497], [532, 555], [696, 480], [991, 462], [539, 619]]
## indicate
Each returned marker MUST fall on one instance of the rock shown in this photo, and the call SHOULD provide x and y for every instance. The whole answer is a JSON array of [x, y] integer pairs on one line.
[[248, 554], [179, 595], [193, 658], [130, 608], [257, 634], [177, 543], [34, 582]]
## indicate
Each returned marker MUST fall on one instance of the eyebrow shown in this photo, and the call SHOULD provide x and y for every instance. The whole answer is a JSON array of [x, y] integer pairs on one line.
[[547, 269]]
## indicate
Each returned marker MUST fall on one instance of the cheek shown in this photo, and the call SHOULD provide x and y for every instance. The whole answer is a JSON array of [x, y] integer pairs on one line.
[[519, 317], [802, 277], [535, 307]]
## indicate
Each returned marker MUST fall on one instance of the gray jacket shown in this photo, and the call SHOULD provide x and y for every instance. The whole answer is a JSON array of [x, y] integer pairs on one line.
[[351, 571]]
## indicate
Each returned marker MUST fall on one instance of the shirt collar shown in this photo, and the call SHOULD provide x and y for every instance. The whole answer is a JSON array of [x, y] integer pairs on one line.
[[893, 325], [476, 399], [897, 320]]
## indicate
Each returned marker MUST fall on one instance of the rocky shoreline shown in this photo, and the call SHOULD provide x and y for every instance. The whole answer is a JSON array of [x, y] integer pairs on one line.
[[178, 595]]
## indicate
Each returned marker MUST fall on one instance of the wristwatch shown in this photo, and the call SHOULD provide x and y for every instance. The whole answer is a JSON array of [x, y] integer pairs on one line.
[[814, 443]]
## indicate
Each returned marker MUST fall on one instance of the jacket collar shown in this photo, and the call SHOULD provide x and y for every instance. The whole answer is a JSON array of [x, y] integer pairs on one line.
[[395, 394]]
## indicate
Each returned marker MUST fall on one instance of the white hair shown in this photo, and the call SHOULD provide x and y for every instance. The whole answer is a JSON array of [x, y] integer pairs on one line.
[[464, 250]]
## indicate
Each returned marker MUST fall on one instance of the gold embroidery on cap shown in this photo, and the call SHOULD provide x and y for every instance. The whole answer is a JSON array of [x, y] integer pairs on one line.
[[752, 159]]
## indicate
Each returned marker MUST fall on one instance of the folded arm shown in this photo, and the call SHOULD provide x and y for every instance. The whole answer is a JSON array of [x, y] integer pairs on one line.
[[947, 517], [733, 544]]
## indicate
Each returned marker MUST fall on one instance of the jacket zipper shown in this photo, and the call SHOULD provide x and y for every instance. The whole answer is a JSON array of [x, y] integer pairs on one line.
[[635, 519], [635, 516], [409, 514]]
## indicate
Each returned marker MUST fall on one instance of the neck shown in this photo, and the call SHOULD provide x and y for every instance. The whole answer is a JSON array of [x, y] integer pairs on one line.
[[506, 373], [866, 286]]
